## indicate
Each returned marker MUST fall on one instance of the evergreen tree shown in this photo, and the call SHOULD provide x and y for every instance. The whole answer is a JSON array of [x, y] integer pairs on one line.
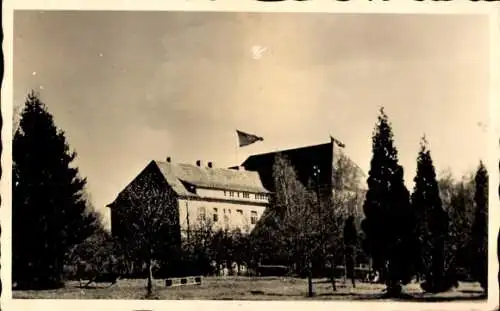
[[432, 223], [387, 224], [49, 209], [479, 234]]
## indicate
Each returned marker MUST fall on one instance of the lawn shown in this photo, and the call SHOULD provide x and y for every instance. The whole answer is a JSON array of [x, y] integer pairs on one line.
[[246, 288]]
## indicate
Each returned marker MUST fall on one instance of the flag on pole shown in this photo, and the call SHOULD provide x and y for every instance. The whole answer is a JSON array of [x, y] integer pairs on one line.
[[246, 139], [337, 142]]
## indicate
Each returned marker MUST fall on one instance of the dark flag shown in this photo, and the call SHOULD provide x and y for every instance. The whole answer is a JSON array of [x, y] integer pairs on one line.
[[246, 139], [337, 142]]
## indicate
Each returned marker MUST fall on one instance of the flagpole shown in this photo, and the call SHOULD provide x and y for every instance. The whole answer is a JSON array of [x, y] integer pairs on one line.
[[236, 151]]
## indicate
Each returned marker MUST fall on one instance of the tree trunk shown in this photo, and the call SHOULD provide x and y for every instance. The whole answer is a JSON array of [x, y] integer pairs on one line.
[[150, 277], [392, 283], [309, 279], [334, 286], [346, 272], [350, 265]]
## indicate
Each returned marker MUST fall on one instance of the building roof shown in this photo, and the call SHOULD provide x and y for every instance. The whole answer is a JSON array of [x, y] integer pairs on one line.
[[300, 151], [303, 159], [179, 175]]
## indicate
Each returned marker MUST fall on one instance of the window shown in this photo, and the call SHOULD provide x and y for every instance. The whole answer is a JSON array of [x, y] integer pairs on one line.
[[253, 217], [224, 193], [259, 196], [246, 195], [216, 215], [239, 211], [231, 194], [202, 213]]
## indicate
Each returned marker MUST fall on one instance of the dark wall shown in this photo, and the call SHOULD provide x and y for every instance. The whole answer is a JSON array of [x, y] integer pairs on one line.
[[154, 178], [302, 159]]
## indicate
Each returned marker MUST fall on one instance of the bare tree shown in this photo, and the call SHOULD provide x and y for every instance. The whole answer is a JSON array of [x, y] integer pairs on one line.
[[346, 201], [350, 244], [458, 201], [299, 222], [149, 217]]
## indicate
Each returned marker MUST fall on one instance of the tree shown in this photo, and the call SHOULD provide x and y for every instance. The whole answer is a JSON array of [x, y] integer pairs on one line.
[[49, 211], [148, 213], [388, 223], [458, 201], [479, 243], [432, 223], [267, 240], [350, 245], [96, 256], [197, 252], [346, 200], [298, 221]]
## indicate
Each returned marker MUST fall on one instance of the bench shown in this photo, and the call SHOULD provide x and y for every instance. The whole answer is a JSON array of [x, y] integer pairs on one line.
[[189, 280]]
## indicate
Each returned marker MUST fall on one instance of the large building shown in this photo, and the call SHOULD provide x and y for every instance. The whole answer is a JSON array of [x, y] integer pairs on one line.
[[220, 198], [328, 158], [236, 197]]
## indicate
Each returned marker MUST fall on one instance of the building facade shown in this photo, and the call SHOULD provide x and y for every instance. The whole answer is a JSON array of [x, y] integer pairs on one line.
[[204, 197], [336, 171]]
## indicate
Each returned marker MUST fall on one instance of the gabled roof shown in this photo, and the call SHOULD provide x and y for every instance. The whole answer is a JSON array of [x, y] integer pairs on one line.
[[303, 159], [306, 151], [179, 175]]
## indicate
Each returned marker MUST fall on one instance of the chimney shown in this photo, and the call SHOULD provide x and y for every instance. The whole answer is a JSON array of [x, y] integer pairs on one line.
[[210, 165], [198, 163], [169, 160]]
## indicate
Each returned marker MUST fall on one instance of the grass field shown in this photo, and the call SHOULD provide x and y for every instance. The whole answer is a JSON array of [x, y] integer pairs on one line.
[[245, 288]]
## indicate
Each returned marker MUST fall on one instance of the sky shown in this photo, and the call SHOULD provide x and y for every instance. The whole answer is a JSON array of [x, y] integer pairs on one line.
[[130, 87]]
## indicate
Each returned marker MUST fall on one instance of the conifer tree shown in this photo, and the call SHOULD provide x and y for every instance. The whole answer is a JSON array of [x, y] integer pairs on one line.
[[49, 209], [432, 223], [479, 233], [387, 224]]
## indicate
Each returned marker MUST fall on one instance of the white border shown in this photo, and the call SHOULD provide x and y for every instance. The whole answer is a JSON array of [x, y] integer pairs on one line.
[[353, 6]]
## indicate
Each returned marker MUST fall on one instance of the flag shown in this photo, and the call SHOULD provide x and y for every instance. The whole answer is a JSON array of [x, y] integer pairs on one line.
[[337, 142], [246, 139]]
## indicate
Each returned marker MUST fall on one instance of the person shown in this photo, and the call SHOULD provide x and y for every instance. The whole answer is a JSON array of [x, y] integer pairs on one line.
[[376, 277]]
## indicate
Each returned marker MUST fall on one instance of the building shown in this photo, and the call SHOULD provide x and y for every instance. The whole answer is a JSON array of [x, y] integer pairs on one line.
[[326, 157], [219, 198]]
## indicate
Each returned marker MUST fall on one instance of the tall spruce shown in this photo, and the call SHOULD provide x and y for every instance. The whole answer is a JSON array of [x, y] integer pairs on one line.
[[432, 223], [49, 209], [387, 224], [479, 233]]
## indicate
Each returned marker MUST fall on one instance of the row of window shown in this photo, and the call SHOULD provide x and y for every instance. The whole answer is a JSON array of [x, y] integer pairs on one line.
[[260, 196], [202, 214], [245, 195]]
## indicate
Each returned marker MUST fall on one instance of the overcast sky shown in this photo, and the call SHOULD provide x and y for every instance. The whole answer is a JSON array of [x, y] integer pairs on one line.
[[129, 87]]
